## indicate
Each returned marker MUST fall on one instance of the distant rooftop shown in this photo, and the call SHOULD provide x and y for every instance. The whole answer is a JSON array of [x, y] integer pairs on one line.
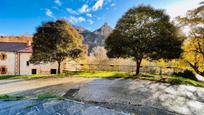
[[15, 47], [18, 39]]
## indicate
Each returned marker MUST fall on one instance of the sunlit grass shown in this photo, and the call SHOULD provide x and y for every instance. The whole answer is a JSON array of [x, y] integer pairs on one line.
[[30, 76], [174, 80], [105, 74]]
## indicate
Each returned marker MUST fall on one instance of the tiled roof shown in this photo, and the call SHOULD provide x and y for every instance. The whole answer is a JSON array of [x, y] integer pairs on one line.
[[14, 47], [28, 49]]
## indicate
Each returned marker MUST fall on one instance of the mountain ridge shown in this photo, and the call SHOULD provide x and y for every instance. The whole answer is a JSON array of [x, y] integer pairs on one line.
[[95, 38]]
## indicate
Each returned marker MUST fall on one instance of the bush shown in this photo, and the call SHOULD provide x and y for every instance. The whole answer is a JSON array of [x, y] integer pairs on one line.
[[186, 74], [175, 81]]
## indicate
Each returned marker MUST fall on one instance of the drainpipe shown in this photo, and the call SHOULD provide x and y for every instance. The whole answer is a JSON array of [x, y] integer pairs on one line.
[[19, 63], [15, 63]]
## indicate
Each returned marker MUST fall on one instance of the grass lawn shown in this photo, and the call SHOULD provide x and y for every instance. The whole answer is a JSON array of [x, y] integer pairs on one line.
[[8, 98], [29, 76], [174, 80], [102, 74]]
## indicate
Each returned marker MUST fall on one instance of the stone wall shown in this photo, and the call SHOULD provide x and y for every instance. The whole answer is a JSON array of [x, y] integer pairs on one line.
[[9, 63]]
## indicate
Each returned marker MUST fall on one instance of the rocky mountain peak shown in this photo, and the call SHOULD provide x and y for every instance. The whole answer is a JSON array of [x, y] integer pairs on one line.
[[105, 30], [95, 38]]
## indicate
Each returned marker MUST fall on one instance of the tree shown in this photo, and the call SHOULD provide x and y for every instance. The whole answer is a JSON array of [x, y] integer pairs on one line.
[[194, 46], [99, 55], [54, 42], [144, 32]]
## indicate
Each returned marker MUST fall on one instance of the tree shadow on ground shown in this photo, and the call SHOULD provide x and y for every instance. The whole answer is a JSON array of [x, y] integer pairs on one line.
[[129, 95]]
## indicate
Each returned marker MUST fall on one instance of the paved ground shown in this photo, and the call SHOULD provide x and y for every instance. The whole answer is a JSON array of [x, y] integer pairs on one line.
[[35, 86], [53, 107], [138, 96]]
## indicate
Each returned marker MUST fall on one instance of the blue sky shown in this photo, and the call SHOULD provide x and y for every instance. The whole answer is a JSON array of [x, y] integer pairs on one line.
[[18, 17]]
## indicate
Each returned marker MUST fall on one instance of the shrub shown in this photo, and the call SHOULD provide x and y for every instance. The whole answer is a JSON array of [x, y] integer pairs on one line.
[[186, 74], [175, 81]]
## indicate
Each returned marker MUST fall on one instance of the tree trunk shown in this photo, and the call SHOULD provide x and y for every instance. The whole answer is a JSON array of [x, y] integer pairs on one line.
[[138, 63], [194, 67], [59, 67]]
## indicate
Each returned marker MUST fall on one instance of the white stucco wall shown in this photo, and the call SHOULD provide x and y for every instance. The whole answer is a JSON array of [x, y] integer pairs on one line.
[[9, 63], [41, 68]]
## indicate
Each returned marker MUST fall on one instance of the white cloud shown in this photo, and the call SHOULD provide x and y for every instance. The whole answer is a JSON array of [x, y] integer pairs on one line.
[[90, 21], [81, 19], [98, 4], [89, 15], [71, 11], [181, 7], [113, 4], [58, 2], [49, 13], [84, 8], [75, 20]]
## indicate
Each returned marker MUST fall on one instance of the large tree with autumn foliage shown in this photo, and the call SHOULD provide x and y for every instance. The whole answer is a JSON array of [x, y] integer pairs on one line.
[[194, 46], [54, 42], [144, 32]]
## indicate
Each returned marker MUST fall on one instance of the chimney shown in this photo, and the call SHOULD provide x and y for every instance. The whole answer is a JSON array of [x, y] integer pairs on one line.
[[28, 43]]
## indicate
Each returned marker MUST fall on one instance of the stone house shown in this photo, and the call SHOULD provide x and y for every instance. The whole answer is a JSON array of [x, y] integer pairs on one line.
[[14, 60], [15, 52]]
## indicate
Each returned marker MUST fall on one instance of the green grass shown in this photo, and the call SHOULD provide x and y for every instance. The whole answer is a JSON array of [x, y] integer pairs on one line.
[[42, 96], [104, 74], [30, 76], [174, 80], [49, 96], [9, 98], [187, 81]]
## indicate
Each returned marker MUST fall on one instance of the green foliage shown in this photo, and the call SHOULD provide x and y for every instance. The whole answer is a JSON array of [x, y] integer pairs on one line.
[[193, 17], [145, 32], [186, 74], [175, 81], [54, 42], [194, 47]]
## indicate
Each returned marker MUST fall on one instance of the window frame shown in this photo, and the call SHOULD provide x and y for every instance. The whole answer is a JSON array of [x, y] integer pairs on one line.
[[5, 70], [3, 56]]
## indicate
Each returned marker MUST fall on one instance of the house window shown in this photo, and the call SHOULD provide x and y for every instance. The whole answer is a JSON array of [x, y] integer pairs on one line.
[[34, 71], [53, 71], [3, 56], [27, 63], [3, 70]]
